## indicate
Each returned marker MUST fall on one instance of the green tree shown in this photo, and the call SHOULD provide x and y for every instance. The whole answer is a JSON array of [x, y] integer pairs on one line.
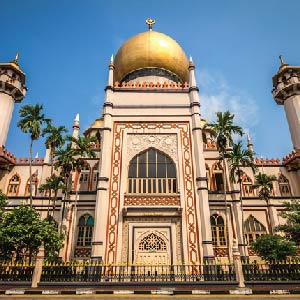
[[240, 158], [54, 139], [292, 226], [264, 184], [3, 203], [70, 159], [225, 129], [273, 247], [22, 232], [52, 185], [32, 121]]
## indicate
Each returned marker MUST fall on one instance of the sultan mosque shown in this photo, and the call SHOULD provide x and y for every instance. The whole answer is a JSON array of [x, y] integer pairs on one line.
[[155, 191]]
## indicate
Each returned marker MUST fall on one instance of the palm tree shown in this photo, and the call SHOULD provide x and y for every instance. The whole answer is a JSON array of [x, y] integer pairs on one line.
[[224, 129], [82, 148], [71, 159], [54, 139], [238, 158], [264, 184], [32, 121], [53, 184]]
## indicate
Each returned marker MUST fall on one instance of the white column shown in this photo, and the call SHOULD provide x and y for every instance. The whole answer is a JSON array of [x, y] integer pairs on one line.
[[6, 109], [292, 110], [102, 198], [201, 182]]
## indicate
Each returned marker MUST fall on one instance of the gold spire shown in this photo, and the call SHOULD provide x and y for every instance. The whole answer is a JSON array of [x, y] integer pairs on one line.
[[150, 22], [17, 56]]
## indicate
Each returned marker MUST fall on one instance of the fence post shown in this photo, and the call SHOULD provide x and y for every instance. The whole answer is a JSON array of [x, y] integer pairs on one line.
[[37, 272], [238, 265]]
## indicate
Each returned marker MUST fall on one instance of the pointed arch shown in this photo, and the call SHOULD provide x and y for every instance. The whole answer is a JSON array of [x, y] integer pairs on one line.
[[152, 171], [84, 178], [34, 186], [253, 229], [14, 185], [217, 177], [95, 175], [284, 185], [208, 176], [247, 186]]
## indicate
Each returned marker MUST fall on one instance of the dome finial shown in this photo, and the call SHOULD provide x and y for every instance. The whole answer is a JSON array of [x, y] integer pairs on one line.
[[150, 22], [281, 60]]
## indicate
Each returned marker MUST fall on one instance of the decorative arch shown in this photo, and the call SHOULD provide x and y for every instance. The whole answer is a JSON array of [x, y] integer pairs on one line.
[[217, 183], [284, 185], [253, 229], [208, 175], [152, 171], [14, 185], [247, 186], [95, 175], [218, 229], [82, 178], [34, 183]]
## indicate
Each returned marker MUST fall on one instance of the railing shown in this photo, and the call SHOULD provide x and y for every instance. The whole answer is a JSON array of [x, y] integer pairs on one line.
[[87, 272], [16, 272], [274, 271], [152, 185]]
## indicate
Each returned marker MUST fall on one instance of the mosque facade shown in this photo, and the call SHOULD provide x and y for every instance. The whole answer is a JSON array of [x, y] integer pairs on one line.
[[155, 191]]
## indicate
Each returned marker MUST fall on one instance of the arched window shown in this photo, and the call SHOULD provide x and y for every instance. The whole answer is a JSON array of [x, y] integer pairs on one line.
[[253, 229], [218, 178], [84, 174], [152, 172], [95, 176], [247, 186], [284, 186], [85, 231], [218, 230], [13, 186], [152, 242], [84, 177], [207, 175], [34, 185]]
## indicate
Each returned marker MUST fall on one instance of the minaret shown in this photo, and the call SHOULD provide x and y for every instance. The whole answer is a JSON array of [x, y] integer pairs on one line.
[[12, 89], [250, 144], [76, 127], [286, 91]]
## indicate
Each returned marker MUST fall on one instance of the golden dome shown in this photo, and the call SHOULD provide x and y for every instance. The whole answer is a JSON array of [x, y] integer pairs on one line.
[[150, 49]]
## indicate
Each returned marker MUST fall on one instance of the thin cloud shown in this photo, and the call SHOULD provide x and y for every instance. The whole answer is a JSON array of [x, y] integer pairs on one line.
[[216, 95]]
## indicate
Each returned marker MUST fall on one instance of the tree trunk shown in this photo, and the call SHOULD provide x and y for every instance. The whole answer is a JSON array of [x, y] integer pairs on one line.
[[30, 173], [226, 212], [243, 218]]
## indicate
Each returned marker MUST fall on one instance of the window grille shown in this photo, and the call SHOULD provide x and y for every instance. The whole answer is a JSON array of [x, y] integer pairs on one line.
[[284, 186], [13, 186], [152, 242]]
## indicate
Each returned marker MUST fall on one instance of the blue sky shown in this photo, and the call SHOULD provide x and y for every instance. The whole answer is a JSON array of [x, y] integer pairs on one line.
[[65, 47]]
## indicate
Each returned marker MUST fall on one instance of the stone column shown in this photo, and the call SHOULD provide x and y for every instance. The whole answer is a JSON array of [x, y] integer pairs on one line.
[[37, 273]]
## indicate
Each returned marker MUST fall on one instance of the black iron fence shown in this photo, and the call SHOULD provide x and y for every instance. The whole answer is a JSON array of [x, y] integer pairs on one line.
[[87, 272], [97, 272], [16, 272], [272, 271]]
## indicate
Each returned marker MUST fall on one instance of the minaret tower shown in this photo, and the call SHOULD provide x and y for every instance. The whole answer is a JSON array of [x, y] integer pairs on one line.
[[286, 91], [12, 89]]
